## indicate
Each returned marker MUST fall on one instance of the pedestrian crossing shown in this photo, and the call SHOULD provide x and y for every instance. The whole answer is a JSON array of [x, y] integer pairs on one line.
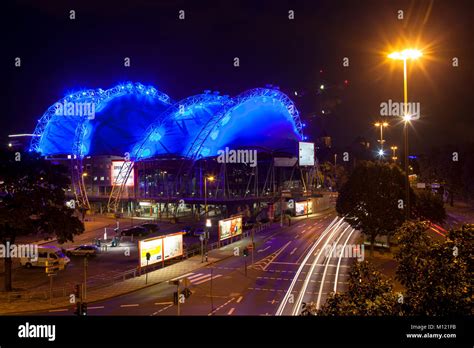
[[198, 278]]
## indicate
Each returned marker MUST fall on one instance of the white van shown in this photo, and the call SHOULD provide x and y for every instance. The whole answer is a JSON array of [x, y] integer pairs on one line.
[[46, 253]]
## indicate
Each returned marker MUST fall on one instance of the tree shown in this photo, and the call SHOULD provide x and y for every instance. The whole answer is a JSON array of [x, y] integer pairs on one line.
[[32, 200], [429, 206], [438, 276], [368, 294], [452, 166], [372, 199], [334, 176]]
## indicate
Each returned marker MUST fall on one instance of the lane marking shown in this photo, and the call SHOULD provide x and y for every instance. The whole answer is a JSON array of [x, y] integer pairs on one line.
[[194, 277], [239, 299], [285, 263], [96, 307], [197, 279], [231, 311], [130, 305], [293, 251], [184, 275], [221, 306], [161, 310], [262, 250], [58, 310], [163, 303], [276, 255], [206, 280]]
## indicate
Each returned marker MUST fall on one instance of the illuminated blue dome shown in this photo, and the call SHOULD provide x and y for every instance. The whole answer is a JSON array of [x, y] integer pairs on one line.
[[145, 123]]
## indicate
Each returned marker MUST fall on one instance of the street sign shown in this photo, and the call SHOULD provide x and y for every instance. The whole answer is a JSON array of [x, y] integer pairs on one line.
[[51, 267]]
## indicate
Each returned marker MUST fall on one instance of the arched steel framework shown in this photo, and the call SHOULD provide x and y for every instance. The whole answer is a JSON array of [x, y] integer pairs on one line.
[[166, 122], [194, 151], [99, 98]]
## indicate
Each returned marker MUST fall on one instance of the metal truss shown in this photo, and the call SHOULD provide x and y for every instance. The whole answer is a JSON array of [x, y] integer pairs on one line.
[[99, 98], [178, 111], [216, 122]]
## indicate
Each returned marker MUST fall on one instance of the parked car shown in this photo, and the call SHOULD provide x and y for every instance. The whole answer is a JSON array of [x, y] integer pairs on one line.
[[188, 230], [198, 231], [135, 231], [83, 250], [150, 227], [46, 254]]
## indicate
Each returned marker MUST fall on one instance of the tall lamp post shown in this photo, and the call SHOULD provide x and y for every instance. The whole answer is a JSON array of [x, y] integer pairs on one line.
[[394, 151], [211, 179], [381, 125], [404, 56]]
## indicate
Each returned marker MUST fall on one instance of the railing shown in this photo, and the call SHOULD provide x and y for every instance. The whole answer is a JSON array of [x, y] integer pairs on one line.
[[65, 291]]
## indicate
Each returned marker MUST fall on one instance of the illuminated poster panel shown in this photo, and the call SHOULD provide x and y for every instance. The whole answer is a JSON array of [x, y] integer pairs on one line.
[[161, 248], [306, 154], [301, 208], [154, 246], [172, 246], [229, 228], [115, 171]]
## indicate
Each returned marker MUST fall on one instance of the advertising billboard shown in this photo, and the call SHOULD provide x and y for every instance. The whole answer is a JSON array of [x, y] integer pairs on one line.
[[115, 171], [172, 246], [154, 246], [229, 228], [306, 154], [303, 208], [161, 248]]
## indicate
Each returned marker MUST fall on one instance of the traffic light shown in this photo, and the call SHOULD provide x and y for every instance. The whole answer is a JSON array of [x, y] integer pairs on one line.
[[175, 297], [246, 252], [83, 308], [78, 308], [186, 292], [77, 291]]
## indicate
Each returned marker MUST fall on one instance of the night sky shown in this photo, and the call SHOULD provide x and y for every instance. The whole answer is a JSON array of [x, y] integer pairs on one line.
[[185, 57]]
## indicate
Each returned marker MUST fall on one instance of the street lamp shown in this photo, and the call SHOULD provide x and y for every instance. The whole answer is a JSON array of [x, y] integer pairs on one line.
[[394, 151], [381, 125], [404, 56], [211, 179]]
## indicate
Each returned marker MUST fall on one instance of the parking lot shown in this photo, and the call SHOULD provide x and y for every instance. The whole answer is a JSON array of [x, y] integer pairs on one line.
[[108, 263]]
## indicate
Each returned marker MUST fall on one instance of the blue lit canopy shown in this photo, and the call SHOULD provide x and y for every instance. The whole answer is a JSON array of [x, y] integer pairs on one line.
[[144, 122], [119, 118]]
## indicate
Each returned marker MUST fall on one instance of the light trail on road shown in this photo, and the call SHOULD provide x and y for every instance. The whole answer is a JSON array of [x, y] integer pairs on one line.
[[340, 258], [297, 306], [326, 266], [284, 301]]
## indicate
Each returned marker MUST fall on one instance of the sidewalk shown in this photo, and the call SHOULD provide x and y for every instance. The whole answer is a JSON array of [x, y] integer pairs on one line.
[[130, 285]]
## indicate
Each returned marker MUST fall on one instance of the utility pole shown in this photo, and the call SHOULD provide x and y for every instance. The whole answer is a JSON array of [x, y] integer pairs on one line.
[[253, 245], [281, 210], [179, 297], [201, 238], [85, 277], [50, 288]]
